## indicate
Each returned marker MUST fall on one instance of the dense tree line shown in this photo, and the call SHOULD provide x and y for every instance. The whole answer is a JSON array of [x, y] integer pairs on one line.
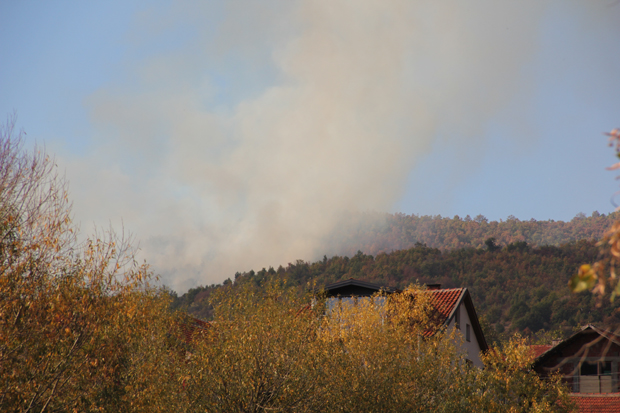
[[374, 233], [515, 287]]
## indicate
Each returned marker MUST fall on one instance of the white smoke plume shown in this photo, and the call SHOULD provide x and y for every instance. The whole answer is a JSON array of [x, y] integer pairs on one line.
[[240, 133]]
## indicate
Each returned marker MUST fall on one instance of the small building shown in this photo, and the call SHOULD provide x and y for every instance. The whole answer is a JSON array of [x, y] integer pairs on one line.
[[589, 363], [453, 308]]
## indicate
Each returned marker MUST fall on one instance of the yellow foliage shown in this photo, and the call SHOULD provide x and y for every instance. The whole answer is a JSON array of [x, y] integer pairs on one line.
[[267, 349], [508, 380], [602, 276], [65, 337], [82, 330]]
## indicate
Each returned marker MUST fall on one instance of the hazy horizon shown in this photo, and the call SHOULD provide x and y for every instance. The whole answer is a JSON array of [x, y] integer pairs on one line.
[[234, 135]]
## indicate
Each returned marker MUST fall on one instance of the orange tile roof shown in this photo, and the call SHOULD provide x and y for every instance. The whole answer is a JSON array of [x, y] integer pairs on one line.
[[539, 349], [597, 403], [443, 302]]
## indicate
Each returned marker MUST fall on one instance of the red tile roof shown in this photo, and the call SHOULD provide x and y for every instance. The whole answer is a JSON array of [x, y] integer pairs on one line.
[[539, 349], [597, 403], [443, 302]]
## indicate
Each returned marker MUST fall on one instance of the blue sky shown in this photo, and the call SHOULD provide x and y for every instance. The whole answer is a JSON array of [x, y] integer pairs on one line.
[[231, 135]]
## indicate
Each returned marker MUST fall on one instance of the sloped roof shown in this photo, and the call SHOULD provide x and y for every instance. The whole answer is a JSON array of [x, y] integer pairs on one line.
[[539, 349], [445, 301], [585, 330], [597, 403], [350, 287]]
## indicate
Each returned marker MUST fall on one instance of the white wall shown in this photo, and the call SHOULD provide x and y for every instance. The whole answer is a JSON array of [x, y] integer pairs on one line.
[[472, 348]]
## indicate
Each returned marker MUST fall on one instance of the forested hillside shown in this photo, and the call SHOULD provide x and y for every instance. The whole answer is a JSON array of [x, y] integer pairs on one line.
[[516, 287], [374, 233]]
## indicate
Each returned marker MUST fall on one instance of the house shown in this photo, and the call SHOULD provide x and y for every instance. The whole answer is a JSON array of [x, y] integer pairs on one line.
[[453, 308], [589, 363]]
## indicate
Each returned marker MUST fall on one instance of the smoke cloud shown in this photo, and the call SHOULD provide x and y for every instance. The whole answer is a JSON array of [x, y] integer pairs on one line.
[[238, 134]]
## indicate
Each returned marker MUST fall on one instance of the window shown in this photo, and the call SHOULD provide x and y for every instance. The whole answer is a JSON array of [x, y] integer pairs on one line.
[[589, 369], [467, 332], [602, 368], [595, 377]]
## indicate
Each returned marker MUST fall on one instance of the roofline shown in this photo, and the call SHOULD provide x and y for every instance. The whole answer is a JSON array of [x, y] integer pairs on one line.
[[358, 283], [614, 338], [475, 323], [456, 306], [609, 335], [465, 298]]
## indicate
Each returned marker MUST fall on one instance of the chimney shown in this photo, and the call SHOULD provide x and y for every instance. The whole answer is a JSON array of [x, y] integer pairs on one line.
[[433, 286]]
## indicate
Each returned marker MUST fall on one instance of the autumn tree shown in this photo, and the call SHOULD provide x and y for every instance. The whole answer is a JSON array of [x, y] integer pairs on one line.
[[74, 316], [508, 383], [270, 349], [601, 277]]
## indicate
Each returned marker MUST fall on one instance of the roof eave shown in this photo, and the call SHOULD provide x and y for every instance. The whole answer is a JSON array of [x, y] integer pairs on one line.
[[602, 332]]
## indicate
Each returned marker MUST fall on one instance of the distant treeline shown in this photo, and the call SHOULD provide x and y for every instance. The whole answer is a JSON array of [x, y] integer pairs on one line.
[[374, 233], [515, 287]]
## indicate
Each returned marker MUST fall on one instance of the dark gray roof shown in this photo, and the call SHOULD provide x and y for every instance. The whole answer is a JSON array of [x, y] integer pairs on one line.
[[585, 330], [352, 287]]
